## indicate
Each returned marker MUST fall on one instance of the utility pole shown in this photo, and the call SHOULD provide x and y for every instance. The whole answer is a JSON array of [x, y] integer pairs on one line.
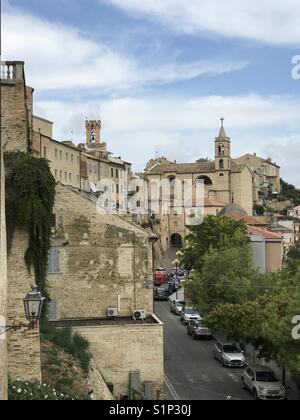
[[3, 282]]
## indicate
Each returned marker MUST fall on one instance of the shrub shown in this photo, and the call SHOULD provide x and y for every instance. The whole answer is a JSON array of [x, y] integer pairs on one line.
[[34, 391]]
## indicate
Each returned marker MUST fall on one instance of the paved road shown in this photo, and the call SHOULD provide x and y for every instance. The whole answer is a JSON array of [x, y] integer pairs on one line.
[[191, 372]]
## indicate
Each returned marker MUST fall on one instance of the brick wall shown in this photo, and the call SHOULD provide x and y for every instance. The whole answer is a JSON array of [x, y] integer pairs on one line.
[[24, 361]]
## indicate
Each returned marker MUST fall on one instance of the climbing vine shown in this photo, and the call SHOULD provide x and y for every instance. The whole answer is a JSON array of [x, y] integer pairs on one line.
[[30, 201]]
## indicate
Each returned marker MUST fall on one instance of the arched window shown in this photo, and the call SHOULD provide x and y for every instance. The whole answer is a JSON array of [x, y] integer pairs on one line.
[[221, 177], [221, 164]]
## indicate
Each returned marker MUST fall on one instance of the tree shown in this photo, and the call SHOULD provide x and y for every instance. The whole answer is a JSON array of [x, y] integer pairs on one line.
[[293, 259], [227, 276], [216, 233], [289, 192]]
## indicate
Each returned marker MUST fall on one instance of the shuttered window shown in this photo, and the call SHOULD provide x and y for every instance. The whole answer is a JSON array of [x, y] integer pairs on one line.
[[53, 261]]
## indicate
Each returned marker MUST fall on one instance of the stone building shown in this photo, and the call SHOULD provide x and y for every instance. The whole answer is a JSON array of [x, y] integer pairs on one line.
[[3, 283], [103, 261], [266, 176], [224, 181], [23, 347]]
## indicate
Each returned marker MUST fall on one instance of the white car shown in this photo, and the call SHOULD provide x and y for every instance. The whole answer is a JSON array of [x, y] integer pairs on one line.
[[189, 314], [229, 355], [261, 381], [176, 306]]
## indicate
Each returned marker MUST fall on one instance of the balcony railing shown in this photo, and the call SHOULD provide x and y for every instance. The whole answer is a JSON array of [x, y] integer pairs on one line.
[[12, 70]]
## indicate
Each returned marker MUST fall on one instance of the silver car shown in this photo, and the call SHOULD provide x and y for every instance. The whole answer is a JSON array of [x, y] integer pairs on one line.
[[176, 306], [261, 381], [189, 314], [229, 355]]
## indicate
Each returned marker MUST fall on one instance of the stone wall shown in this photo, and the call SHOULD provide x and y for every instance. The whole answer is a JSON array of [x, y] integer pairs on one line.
[[104, 261], [16, 112], [97, 384], [3, 283], [121, 349], [24, 360]]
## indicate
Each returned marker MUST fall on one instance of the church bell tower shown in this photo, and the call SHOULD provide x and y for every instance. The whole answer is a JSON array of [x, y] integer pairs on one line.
[[93, 128], [222, 150]]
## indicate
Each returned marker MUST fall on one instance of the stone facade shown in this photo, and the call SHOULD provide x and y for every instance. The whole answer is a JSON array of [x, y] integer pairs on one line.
[[104, 261], [16, 109], [3, 283], [225, 181], [266, 176], [24, 359]]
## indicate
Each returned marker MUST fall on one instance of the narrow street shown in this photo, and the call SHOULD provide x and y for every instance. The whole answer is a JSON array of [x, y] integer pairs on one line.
[[190, 370]]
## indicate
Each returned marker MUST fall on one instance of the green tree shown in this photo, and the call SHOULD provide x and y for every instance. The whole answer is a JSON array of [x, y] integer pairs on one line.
[[293, 259], [227, 276], [216, 233]]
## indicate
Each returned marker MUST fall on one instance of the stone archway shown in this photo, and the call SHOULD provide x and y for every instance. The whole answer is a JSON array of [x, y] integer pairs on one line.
[[176, 240]]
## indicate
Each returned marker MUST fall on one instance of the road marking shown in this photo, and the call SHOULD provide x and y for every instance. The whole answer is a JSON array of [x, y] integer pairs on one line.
[[171, 389]]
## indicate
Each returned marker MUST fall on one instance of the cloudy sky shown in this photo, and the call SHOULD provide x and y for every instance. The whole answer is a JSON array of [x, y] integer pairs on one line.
[[161, 73]]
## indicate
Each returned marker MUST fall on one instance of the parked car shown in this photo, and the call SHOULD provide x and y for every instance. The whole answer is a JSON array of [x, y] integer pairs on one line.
[[262, 382], [175, 283], [229, 355], [198, 329], [189, 314], [176, 306], [160, 294], [168, 287]]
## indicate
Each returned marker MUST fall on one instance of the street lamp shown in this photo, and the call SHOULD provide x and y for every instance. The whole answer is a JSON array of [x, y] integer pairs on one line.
[[33, 305]]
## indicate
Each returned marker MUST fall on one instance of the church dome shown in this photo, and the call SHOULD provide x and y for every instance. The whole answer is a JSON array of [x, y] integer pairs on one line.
[[232, 208]]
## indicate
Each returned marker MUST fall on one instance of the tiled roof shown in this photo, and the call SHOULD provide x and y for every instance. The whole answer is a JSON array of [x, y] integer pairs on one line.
[[255, 231], [213, 203], [182, 168], [251, 221]]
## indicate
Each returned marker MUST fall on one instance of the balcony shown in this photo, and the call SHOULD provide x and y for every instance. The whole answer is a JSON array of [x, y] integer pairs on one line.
[[11, 71]]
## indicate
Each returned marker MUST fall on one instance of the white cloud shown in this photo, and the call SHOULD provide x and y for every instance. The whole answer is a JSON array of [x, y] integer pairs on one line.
[[60, 57], [268, 21], [184, 129]]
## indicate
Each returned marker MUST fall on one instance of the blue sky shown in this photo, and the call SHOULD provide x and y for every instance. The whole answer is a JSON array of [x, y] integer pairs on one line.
[[161, 73]]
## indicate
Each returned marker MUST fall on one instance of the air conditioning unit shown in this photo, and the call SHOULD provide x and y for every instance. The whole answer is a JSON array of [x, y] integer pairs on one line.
[[112, 313], [139, 315]]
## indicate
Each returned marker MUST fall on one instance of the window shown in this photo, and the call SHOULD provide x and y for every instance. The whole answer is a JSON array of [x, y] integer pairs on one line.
[[117, 173], [70, 177], [112, 172], [67, 157], [56, 173], [60, 155], [138, 204], [56, 153], [54, 261], [221, 164], [117, 188], [72, 158]]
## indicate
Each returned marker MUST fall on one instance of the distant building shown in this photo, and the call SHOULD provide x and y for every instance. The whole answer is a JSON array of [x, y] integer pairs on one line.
[[267, 246]]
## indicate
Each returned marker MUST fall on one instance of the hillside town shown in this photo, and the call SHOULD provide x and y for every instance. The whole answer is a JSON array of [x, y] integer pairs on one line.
[[115, 255]]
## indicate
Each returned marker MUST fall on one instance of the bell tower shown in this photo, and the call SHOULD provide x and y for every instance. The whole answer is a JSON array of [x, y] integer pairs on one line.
[[93, 128], [222, 150]]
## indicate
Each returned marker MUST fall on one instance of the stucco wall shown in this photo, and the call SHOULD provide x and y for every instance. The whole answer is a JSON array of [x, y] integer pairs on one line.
[[120, 349], [274, 250]]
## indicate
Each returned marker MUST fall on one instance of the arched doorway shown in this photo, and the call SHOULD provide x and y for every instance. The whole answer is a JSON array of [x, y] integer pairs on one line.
[[176, 240]]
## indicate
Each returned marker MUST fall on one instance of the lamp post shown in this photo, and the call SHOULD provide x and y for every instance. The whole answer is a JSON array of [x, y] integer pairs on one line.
[[176, 264], [33, 305]]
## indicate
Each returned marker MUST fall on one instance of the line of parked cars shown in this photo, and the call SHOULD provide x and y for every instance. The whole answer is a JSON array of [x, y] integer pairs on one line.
[[261, 381], [166, 283]]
